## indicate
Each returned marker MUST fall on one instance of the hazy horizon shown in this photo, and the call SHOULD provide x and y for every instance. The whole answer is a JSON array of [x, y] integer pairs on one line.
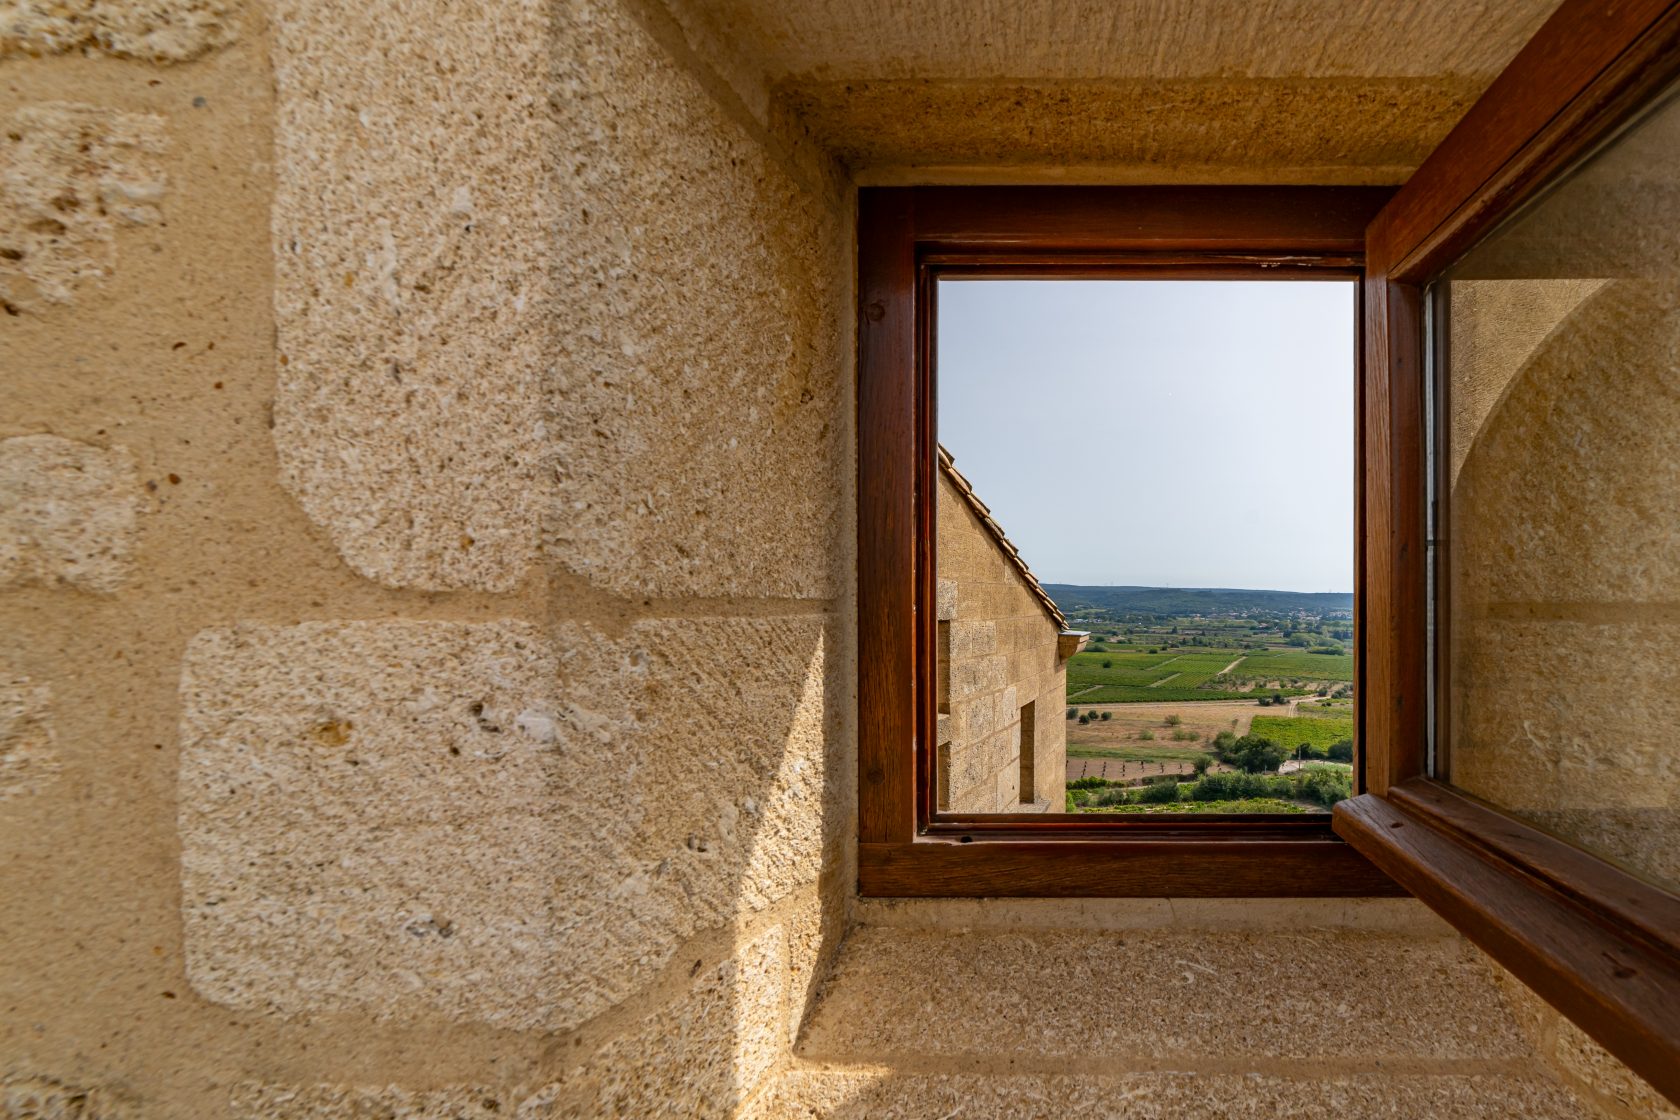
[[1171, 434]]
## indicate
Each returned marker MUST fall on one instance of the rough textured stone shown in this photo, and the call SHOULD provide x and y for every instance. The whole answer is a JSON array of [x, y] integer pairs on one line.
[[1595, 525], [70, 176], [353, 796], [895, 994], [958, 39], [698, 1059], [412, 248], [698, 411], [153, 30], [1208, 129], [258, 1101], [1606, 1077], [28, 759], [888, 1095], [33, 1097], [68, 513]]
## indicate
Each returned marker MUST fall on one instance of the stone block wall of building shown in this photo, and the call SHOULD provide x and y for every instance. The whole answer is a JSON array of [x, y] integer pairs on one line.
[[1003, 668], [426, 552], [425, 673]]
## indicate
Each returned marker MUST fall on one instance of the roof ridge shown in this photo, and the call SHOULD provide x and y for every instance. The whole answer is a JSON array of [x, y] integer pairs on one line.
[[947, 464]]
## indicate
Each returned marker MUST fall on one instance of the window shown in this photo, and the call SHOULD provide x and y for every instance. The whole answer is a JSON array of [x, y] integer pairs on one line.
[[931, 822], [1521, 493], [1028, 785], [944, 684], [1173, 460], [1491, 286]]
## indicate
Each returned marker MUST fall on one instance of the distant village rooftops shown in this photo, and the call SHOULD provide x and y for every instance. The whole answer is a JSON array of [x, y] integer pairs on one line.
[[947, 464]]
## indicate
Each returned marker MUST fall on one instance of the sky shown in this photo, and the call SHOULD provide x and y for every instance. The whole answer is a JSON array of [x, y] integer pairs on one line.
[[1164, 433]]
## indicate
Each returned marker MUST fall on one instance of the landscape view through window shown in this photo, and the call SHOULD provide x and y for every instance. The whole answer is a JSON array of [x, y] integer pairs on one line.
[[1145, 546]]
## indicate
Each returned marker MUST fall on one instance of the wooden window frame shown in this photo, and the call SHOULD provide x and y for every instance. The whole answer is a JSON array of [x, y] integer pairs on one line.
[[907, 237], [1600, 945]]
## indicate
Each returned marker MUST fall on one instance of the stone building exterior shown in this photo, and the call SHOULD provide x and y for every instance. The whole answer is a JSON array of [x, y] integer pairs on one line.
[[1003, 650], [427, 571]]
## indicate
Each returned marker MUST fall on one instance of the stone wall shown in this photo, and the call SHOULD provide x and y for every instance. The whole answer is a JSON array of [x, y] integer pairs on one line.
[[424, 563], [1002, 657], [426, 603]]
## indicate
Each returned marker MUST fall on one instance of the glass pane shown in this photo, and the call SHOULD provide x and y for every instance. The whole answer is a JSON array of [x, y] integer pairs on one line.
[[1145, 546], [1559, 454]]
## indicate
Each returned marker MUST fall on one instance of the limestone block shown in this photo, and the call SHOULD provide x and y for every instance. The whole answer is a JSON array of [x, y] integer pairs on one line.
[[36, 1097], [71, 176], [68, 513], [882, 1092], [701, 1058], [699, 399], [458, 819], [150, 30], [974, 639], [1607, 1077], [1598, 402], [412, 290], [947, 599], [28, 759], [1371, 996], [258, 1101]]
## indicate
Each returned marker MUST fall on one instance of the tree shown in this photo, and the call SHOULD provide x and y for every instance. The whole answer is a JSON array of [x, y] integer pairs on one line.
[[1254, 754], [1146, 734], [1174, 720], [1202, 763], [1085, 717], [1073, 713], [1341, 751], [1106, 715]]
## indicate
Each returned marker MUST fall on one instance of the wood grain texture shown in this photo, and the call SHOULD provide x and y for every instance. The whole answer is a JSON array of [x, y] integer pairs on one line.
[[1592, 64], [1115, 868], [887, 528], [1214, 219], [1611, 981], [1391, 592], [908, 237]]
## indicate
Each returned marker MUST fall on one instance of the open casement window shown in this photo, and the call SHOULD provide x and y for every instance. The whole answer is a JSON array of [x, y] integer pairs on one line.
[[1517, 561], [1522, 528]]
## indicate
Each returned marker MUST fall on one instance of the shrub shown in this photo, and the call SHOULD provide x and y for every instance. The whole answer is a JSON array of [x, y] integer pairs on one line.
[[1088, 783], [1185, 735], [1158, 793], [1264, 701], [1174, 721], [1108, 715], [1323, 787], [1340, 751], [1107, 664], [1073, 713], [1203, 761], [1146, 734], [1114, 795], [1223, 742], [1085, 717]]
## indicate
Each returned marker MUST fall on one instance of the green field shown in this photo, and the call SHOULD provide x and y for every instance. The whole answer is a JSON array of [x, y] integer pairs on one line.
[[1280, 664], [1292, 731], [1171, 676]]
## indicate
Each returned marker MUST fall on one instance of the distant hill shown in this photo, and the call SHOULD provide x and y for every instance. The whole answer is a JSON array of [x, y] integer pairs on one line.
[[1072, 599]]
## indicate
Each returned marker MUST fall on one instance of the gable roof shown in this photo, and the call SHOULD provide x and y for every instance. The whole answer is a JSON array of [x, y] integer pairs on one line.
[[947, 466]]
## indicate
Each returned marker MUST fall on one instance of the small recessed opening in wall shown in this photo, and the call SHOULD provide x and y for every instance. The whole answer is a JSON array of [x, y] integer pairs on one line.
[[1166, 467]]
